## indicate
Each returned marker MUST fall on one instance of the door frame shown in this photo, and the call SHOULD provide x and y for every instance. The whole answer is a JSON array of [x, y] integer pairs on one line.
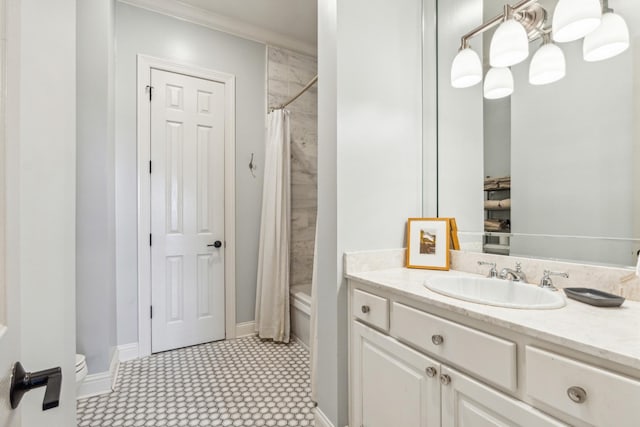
[[145, 64]]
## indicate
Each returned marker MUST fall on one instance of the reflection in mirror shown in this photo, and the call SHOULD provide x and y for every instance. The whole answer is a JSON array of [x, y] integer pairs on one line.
[[570, 149]]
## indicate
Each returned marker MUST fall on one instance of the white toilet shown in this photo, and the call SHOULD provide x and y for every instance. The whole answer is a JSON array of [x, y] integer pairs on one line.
[[81, 370]]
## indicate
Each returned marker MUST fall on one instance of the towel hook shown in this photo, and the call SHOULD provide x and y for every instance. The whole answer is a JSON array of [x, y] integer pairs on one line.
[[252, 166]]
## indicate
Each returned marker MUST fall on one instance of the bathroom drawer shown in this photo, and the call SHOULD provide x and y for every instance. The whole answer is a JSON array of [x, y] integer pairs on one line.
[[371, 309], [483, 355], [610, 399]]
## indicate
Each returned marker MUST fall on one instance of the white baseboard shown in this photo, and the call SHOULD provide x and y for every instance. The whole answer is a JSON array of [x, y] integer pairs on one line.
[[299, 341], [245, 329], [102, 382], [128, 352], [321, 419]]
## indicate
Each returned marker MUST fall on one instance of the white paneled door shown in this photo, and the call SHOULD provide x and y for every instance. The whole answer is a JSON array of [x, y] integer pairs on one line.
[[187, 210], [9, 302], [9, 319]]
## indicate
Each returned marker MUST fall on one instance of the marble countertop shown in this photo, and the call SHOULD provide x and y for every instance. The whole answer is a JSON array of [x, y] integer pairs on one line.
[[609, 333]]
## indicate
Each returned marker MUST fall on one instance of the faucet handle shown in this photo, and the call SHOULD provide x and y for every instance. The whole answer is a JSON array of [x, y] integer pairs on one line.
[[548, 273], [492, 272], [546, 281], [518, 267]]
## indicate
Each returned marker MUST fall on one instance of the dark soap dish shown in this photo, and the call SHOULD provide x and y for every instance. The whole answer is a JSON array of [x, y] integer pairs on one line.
[[594, 297]]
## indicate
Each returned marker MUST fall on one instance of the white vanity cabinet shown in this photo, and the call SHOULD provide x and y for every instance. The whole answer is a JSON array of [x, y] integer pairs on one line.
[[586, 392], [411, 367], [392, 385], [469, 403]]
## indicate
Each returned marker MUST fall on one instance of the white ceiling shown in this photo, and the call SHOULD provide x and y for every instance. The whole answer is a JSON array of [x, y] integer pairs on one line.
[[296, 19]]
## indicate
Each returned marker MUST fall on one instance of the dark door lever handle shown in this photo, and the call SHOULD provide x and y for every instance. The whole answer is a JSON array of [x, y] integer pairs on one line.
[[215, 244], [22, 382]]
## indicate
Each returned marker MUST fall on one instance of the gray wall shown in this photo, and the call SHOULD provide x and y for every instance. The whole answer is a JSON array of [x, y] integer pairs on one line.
[[497, 137], [430, 109], [496, 112], [95, 222], [287, 73], [142, 32], [572, 160], [369, 157], [460, 127]]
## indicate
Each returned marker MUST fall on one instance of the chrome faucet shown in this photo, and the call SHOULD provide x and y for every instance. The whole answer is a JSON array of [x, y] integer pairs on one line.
[[516, 275], [492, 272], [547, 283]]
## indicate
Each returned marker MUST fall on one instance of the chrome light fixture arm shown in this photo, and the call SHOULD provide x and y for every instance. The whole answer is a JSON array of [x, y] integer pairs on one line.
[[529, 13]]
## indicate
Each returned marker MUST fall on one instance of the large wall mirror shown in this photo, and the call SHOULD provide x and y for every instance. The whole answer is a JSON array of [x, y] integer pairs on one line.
[[551, 171]]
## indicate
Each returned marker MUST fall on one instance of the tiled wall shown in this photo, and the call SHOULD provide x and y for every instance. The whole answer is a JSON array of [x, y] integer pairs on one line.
[[288, 72]]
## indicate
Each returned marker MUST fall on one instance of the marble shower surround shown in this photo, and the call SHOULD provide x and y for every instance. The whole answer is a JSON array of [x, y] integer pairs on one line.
[[619, 281], [287, 73]]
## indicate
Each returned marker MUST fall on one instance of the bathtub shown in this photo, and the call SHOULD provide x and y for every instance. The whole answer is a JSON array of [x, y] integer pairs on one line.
[[301, 313]]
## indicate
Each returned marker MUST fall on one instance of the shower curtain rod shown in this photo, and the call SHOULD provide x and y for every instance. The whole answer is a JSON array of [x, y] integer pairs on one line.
[[304, 89]]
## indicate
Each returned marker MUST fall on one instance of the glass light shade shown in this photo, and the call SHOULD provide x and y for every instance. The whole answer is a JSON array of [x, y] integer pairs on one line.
[[574, 19], [509, 44], [547, 65], [466, 69], [608, 40], [498, 83]]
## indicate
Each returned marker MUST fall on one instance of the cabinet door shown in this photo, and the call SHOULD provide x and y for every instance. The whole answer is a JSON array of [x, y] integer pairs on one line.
[[468, 403], [390, 383]]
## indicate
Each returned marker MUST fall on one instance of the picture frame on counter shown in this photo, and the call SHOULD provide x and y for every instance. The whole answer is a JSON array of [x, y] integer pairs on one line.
[[428, 243], [453, 227]]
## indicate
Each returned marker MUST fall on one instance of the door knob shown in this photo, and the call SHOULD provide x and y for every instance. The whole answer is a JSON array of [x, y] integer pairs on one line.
[[215, 244], [22, 382]]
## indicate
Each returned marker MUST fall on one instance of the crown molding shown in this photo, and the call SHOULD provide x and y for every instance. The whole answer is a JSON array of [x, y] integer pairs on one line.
[[196, 15]]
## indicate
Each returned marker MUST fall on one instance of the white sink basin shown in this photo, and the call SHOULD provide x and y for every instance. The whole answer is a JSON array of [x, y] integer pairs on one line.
[[497, 292]]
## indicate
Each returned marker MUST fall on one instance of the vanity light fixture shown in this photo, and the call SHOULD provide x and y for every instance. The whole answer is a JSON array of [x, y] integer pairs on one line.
[[548, 64], [606, 35], [510, 42], [498, 83], [517, 26], [466, 69], [574, 19], [609, 39]]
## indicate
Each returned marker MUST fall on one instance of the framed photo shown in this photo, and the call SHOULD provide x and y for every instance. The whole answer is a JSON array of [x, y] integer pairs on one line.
[[428, 243], [453, 226]]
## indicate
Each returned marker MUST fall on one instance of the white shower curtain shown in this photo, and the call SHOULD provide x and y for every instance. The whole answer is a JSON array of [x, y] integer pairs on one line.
[[272, 297]]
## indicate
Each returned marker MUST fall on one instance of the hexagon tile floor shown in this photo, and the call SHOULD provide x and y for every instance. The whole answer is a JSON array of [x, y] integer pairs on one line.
[[243, 382]]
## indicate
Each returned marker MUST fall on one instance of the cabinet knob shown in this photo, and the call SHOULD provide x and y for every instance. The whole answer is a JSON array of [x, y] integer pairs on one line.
[[431, 371], [445, 379], [365, 309], [437, 339], [577, 394]]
